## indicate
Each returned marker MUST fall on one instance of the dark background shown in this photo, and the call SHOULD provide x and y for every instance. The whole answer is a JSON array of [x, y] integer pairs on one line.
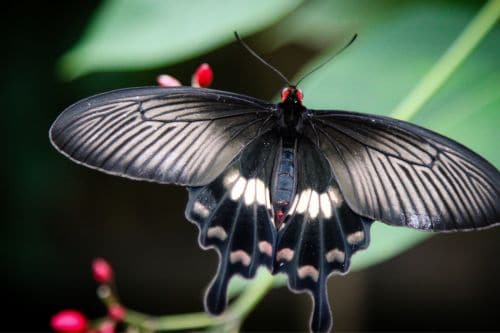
[[59, 216]]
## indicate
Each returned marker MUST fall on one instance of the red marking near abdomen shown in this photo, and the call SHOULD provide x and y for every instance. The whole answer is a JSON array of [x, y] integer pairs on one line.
[[280, 212], [280, 215]]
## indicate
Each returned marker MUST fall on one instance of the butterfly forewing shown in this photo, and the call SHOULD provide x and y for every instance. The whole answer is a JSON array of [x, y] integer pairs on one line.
[[168, 135], [403, 174]]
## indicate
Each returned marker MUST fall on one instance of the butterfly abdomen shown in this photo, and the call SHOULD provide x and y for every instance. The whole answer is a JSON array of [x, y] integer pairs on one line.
[[284, 181]]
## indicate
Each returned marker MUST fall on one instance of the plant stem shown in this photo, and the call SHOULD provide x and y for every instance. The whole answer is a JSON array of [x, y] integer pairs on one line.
[[449, 61], [234, 315], [186, 321], [258, 288], [171, 322]]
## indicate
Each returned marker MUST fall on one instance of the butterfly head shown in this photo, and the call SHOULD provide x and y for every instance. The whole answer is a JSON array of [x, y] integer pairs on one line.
[[292, 94]]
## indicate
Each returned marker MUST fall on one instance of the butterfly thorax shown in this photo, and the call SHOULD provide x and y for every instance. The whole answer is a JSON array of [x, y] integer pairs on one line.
[[291, 112]]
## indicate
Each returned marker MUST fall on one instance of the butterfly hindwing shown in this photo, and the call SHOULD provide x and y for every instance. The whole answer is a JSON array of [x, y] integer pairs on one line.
[[178, 135], [403, 174], [234, 215], [320, 233]]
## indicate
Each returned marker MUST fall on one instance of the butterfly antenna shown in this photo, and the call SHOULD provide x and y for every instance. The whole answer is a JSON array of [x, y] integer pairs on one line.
[[252, 52], [329, 58]]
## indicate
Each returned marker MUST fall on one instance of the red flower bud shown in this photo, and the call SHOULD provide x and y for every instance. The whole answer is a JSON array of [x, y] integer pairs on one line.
[[167, 81], [116, 312], [203, 76], [102, 271], [69, 321], [106, 326]]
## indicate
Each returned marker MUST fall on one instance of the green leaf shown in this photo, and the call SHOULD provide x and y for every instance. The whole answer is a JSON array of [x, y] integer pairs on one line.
[[133, 35], [381, 68], [386, 242], [327, 20]]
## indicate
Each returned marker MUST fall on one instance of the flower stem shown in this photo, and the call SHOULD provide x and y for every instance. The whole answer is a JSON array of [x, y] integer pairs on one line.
[[171, 322], [232, 318], [251, 296], [186, 321], [450, 60]]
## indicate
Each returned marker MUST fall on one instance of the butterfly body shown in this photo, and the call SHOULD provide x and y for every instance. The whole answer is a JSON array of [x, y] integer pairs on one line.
[[279, 185], [290, 116]]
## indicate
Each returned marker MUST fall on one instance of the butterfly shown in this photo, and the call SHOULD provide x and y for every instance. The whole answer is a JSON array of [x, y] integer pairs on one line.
[[280, 185]]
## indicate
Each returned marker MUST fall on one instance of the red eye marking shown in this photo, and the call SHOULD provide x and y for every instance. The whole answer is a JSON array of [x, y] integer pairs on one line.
[[285, 93], [300, 95]]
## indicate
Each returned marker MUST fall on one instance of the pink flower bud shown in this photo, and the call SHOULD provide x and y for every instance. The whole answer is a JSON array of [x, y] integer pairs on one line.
[[203, 76], [167, 81], [106, 326], [69, 321], [102, 271], [117, 312]]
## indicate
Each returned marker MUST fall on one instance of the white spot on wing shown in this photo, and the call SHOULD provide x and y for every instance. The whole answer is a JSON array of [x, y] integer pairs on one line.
[[294, 205], [240, 256], [217, 232], [231, 178], [200, 209], [413, 221], [335, 255], [303, 201], [308, 271], [285, 254], [266, 248], [238, 188], [326, 205], [335, 197], [268, 199], [355, 237], [250, 192], [314, 205]]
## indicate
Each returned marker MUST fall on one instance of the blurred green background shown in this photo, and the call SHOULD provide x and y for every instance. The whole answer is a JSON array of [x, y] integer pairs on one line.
[[59, 215]]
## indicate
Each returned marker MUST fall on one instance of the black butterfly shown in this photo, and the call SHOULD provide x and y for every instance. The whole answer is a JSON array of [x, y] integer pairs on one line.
[[280, 185]]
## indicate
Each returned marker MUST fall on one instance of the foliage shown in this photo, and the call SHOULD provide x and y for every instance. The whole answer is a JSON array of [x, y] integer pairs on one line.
[[133, 35]]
